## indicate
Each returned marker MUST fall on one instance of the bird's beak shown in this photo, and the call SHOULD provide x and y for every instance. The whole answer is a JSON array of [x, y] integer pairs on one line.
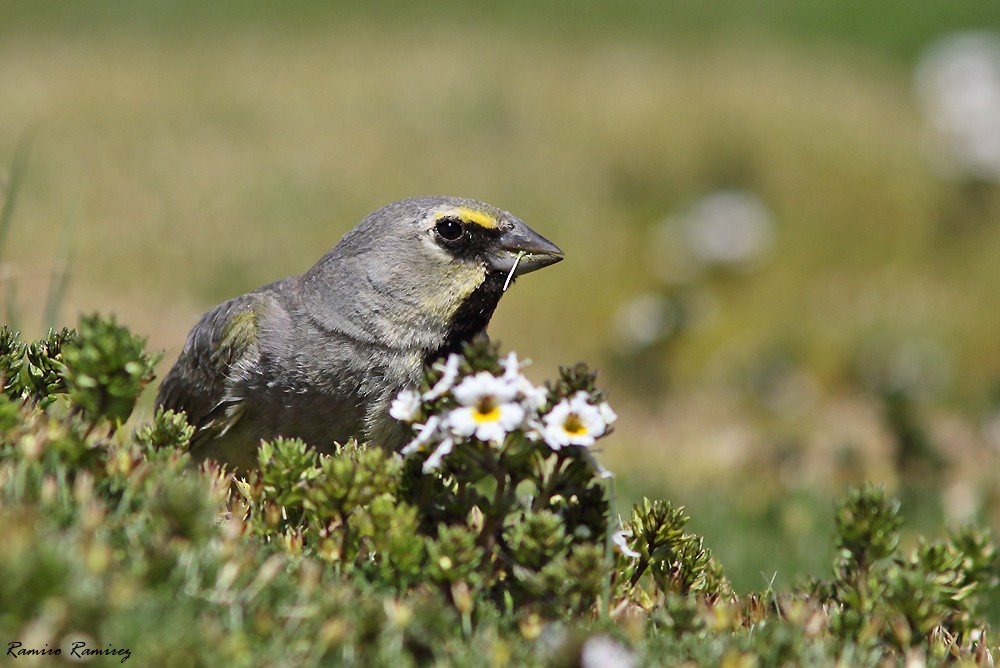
[[523, 250]]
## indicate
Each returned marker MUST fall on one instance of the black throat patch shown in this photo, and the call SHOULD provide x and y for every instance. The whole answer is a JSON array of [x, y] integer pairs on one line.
[[472, 316]]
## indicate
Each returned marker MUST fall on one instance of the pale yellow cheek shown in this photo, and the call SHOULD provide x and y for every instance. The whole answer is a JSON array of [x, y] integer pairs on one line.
[[462, 281]]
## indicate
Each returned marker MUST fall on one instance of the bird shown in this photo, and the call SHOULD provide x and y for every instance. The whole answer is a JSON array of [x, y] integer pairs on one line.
[[321, 355]]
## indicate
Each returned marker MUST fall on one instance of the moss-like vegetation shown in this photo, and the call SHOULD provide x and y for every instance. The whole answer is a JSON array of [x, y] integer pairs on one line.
[[496, 552]]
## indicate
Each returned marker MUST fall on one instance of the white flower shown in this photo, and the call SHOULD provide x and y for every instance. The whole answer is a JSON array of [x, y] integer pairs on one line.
[[484, 384], [574, 421], [449, 372], [424, 434], [534, 397], [958, 80], [405, 406], [729, 227], [434, 461], [620, 539], [487, 410]]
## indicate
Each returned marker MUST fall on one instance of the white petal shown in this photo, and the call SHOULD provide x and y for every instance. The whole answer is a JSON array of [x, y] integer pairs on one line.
[[511, 416], [558, 414], [449, 372], [580, 401], [405, 406], [461, 420], [490, 432], [510, 365], [434, 461], [424, 434], [474, 389], [607, 414], [555, 436], [533, 429], [620, 539]]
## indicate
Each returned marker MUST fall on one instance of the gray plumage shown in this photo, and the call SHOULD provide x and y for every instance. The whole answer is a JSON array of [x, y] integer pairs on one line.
[[321, 355]]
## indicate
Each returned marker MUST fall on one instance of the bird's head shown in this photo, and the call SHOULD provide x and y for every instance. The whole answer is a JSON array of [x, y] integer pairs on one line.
[[429, 271]]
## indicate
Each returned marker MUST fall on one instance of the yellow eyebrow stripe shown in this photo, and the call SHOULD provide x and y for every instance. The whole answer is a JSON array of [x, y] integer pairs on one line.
[[475, 216]]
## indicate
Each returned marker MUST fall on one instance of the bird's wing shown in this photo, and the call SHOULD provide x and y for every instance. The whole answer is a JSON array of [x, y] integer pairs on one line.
[[198, 383]]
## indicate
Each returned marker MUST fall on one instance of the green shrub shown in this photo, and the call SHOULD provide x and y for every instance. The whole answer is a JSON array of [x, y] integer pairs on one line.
[[470, 548]]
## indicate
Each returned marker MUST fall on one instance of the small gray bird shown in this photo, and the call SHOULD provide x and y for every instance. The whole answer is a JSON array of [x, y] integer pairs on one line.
[[321, 355]]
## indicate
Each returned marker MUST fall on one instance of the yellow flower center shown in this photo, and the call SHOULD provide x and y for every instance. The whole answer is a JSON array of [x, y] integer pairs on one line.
[[574, 425], [486, 411]]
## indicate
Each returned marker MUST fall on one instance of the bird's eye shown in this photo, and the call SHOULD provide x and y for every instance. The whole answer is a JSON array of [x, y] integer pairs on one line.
[[450, 229]]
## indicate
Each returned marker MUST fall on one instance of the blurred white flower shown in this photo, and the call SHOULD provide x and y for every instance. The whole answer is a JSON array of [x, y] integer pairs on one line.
[[602, 472], [434, 461], [406, 406], [620, 539], [487, 410], [474, 388], [424, 434], [603, 652], [534, 396], [958, 83], [573, 421], [510, 365], [449, 373], [645, 320], [728, 227]]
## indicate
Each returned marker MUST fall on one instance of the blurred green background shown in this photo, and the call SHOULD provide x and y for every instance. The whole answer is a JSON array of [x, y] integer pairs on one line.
[[780, 253]]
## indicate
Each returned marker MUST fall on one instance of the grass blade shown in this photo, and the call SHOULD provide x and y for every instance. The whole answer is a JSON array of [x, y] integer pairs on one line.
[[60, 275], [17, 170]]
